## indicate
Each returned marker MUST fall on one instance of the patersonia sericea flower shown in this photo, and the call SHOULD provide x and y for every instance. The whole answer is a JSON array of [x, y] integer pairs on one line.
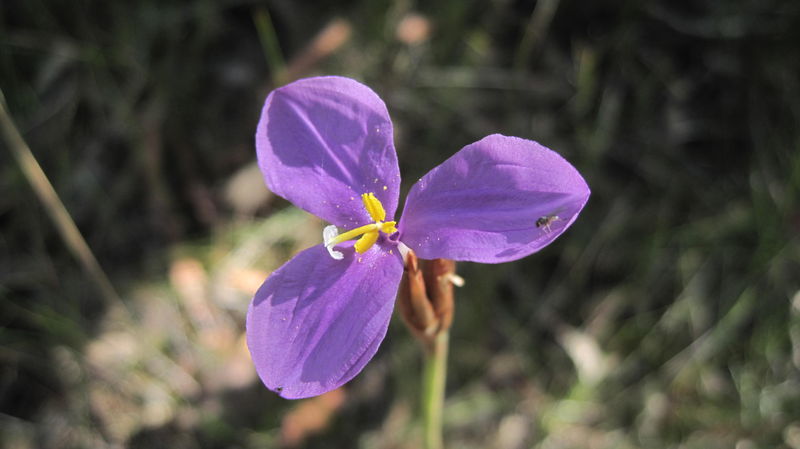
[[326, 145]]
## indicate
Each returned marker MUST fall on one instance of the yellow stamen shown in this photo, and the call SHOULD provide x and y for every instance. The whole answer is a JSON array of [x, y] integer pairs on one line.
[[388, 227], [366, 241], [373, 206], [353, 233], [368, 234]]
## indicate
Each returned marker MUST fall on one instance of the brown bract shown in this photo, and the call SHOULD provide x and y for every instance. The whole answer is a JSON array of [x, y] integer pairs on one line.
[[425, 298]]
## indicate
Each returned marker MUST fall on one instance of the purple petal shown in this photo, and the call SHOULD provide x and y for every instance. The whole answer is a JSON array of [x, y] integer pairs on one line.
[[316, 321], [490, 201], [322, 142]]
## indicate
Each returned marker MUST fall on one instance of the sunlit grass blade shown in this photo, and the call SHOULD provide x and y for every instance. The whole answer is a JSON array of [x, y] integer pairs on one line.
[[61, 218]]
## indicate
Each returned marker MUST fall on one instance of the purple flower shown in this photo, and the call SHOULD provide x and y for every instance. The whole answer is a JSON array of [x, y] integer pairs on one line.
[[325, 144]]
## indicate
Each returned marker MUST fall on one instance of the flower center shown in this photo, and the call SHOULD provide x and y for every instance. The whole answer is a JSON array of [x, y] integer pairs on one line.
[[367, 235]]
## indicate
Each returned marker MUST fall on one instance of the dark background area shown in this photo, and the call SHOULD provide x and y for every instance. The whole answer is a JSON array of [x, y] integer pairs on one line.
[[667, 316]]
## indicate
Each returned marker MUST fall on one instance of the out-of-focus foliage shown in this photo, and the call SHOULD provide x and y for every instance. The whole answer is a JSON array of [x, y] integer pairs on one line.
[[668, 315]]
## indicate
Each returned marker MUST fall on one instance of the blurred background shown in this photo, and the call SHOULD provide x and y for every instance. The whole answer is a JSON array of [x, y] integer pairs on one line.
[[667, 316]]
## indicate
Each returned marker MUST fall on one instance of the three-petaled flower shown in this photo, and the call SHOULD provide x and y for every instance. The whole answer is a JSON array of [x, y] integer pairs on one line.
[[326, 145]]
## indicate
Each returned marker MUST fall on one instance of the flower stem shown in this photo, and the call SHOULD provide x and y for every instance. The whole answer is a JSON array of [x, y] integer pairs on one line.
[[433, 383], [425, 302]]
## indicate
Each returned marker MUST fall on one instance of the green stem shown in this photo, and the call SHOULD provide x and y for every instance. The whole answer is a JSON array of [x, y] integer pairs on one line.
[[433, 382]]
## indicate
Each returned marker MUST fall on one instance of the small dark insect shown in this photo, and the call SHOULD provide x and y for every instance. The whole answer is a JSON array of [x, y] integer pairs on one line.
[[546, 221], [279, 389]]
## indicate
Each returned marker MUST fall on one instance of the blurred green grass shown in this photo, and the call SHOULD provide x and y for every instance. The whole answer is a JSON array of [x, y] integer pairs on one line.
[[668, 316]]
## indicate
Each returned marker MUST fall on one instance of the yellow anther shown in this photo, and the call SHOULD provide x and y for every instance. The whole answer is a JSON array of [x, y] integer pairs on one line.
[[373, 206], [367, 235], [389, 227], [366, 241]]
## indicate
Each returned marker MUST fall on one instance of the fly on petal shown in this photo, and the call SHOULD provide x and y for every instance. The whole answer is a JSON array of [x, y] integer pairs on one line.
[[499, 199]]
